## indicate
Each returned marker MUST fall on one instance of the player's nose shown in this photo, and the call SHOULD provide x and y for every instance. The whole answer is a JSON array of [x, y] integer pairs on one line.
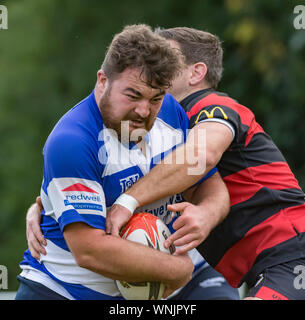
[[143, 108]]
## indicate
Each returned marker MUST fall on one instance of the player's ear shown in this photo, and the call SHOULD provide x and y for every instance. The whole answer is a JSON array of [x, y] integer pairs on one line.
[[101, 79], [199, 71]]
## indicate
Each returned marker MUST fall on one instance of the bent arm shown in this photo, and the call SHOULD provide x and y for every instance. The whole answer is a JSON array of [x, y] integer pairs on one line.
[[167, 179], [121, 259]]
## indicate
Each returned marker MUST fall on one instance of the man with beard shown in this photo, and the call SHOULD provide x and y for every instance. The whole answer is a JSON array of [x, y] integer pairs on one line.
[[92, 156], [261, 242]]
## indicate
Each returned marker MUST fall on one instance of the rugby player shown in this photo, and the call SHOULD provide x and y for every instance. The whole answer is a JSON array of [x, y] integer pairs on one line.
[[87, 165], [261, 241]]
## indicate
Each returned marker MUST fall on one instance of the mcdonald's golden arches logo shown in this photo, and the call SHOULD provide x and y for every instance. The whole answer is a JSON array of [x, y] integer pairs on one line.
[[210, 115]]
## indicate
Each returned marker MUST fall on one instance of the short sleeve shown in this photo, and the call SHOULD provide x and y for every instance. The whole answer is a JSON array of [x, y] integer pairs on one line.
[[72, 181], [219, 113]]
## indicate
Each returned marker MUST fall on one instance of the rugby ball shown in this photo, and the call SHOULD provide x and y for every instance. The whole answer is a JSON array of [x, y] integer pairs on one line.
[[149, 230]]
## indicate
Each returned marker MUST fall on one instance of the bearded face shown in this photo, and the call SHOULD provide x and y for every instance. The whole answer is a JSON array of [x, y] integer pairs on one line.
[[129, 106]]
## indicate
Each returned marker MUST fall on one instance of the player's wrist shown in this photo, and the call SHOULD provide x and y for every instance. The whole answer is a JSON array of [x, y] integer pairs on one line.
[[127, 201]]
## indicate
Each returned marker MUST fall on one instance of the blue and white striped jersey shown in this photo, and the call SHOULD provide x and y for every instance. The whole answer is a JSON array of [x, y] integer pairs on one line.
[[85, 169]]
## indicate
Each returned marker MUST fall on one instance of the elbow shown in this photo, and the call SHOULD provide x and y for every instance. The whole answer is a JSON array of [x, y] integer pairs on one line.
[[226, 202], [212, 158], [87, 245], [96, 259], [86, 256], [84, 260], [90, 262], [200, 161]]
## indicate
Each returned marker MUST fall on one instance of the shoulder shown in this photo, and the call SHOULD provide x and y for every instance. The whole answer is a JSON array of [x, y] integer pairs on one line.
[[73, 145], [220, 105], [78, 128]]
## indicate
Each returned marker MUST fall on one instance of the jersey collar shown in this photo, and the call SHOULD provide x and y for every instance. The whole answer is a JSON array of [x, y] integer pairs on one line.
[[186, 101]]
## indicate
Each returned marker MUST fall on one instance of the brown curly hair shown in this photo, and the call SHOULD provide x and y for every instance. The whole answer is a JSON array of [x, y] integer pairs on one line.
[[137, 46]]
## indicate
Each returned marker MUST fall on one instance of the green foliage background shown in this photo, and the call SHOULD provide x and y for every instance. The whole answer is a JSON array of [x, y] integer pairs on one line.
[[52, 49]]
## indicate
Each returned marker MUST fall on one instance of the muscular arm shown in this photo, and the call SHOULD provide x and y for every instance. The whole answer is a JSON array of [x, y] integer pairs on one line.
[[121, 259], [167, 179]]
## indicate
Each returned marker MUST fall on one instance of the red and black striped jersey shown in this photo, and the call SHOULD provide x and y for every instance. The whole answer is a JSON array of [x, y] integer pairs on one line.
[[266, 222]]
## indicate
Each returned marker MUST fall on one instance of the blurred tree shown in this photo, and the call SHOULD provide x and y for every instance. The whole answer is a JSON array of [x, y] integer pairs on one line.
[[53, 48]]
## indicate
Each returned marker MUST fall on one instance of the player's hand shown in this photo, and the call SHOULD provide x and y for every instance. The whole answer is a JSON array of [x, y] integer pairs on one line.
[[192, 227], [116, 218], [186, 271], [34, 236]]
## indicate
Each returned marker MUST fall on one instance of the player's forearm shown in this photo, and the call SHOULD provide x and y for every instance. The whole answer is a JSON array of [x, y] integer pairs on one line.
[[177, 172], [124, 260], [120, 259]]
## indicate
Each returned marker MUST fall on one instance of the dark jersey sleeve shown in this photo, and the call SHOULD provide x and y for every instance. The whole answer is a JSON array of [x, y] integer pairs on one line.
[[220, 113]]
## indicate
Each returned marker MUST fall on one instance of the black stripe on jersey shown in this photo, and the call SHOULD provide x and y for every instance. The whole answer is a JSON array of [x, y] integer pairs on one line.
[[244, 216], [260, 150], [291, 249]]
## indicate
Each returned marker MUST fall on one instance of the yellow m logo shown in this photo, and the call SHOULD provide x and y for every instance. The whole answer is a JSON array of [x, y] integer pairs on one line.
[[210, 115]]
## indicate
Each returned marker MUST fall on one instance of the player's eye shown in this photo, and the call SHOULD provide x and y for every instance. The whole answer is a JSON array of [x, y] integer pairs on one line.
[[156, 100], [132, 97]]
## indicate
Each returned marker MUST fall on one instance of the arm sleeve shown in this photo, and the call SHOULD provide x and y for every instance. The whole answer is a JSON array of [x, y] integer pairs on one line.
[[72, 181], [218, 113]]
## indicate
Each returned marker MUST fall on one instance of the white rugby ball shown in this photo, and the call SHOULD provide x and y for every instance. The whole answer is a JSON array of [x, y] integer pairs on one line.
[[149, 230]]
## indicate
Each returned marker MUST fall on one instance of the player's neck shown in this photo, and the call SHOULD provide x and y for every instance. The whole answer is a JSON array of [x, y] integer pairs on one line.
[[97, 95], [194, 89]]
